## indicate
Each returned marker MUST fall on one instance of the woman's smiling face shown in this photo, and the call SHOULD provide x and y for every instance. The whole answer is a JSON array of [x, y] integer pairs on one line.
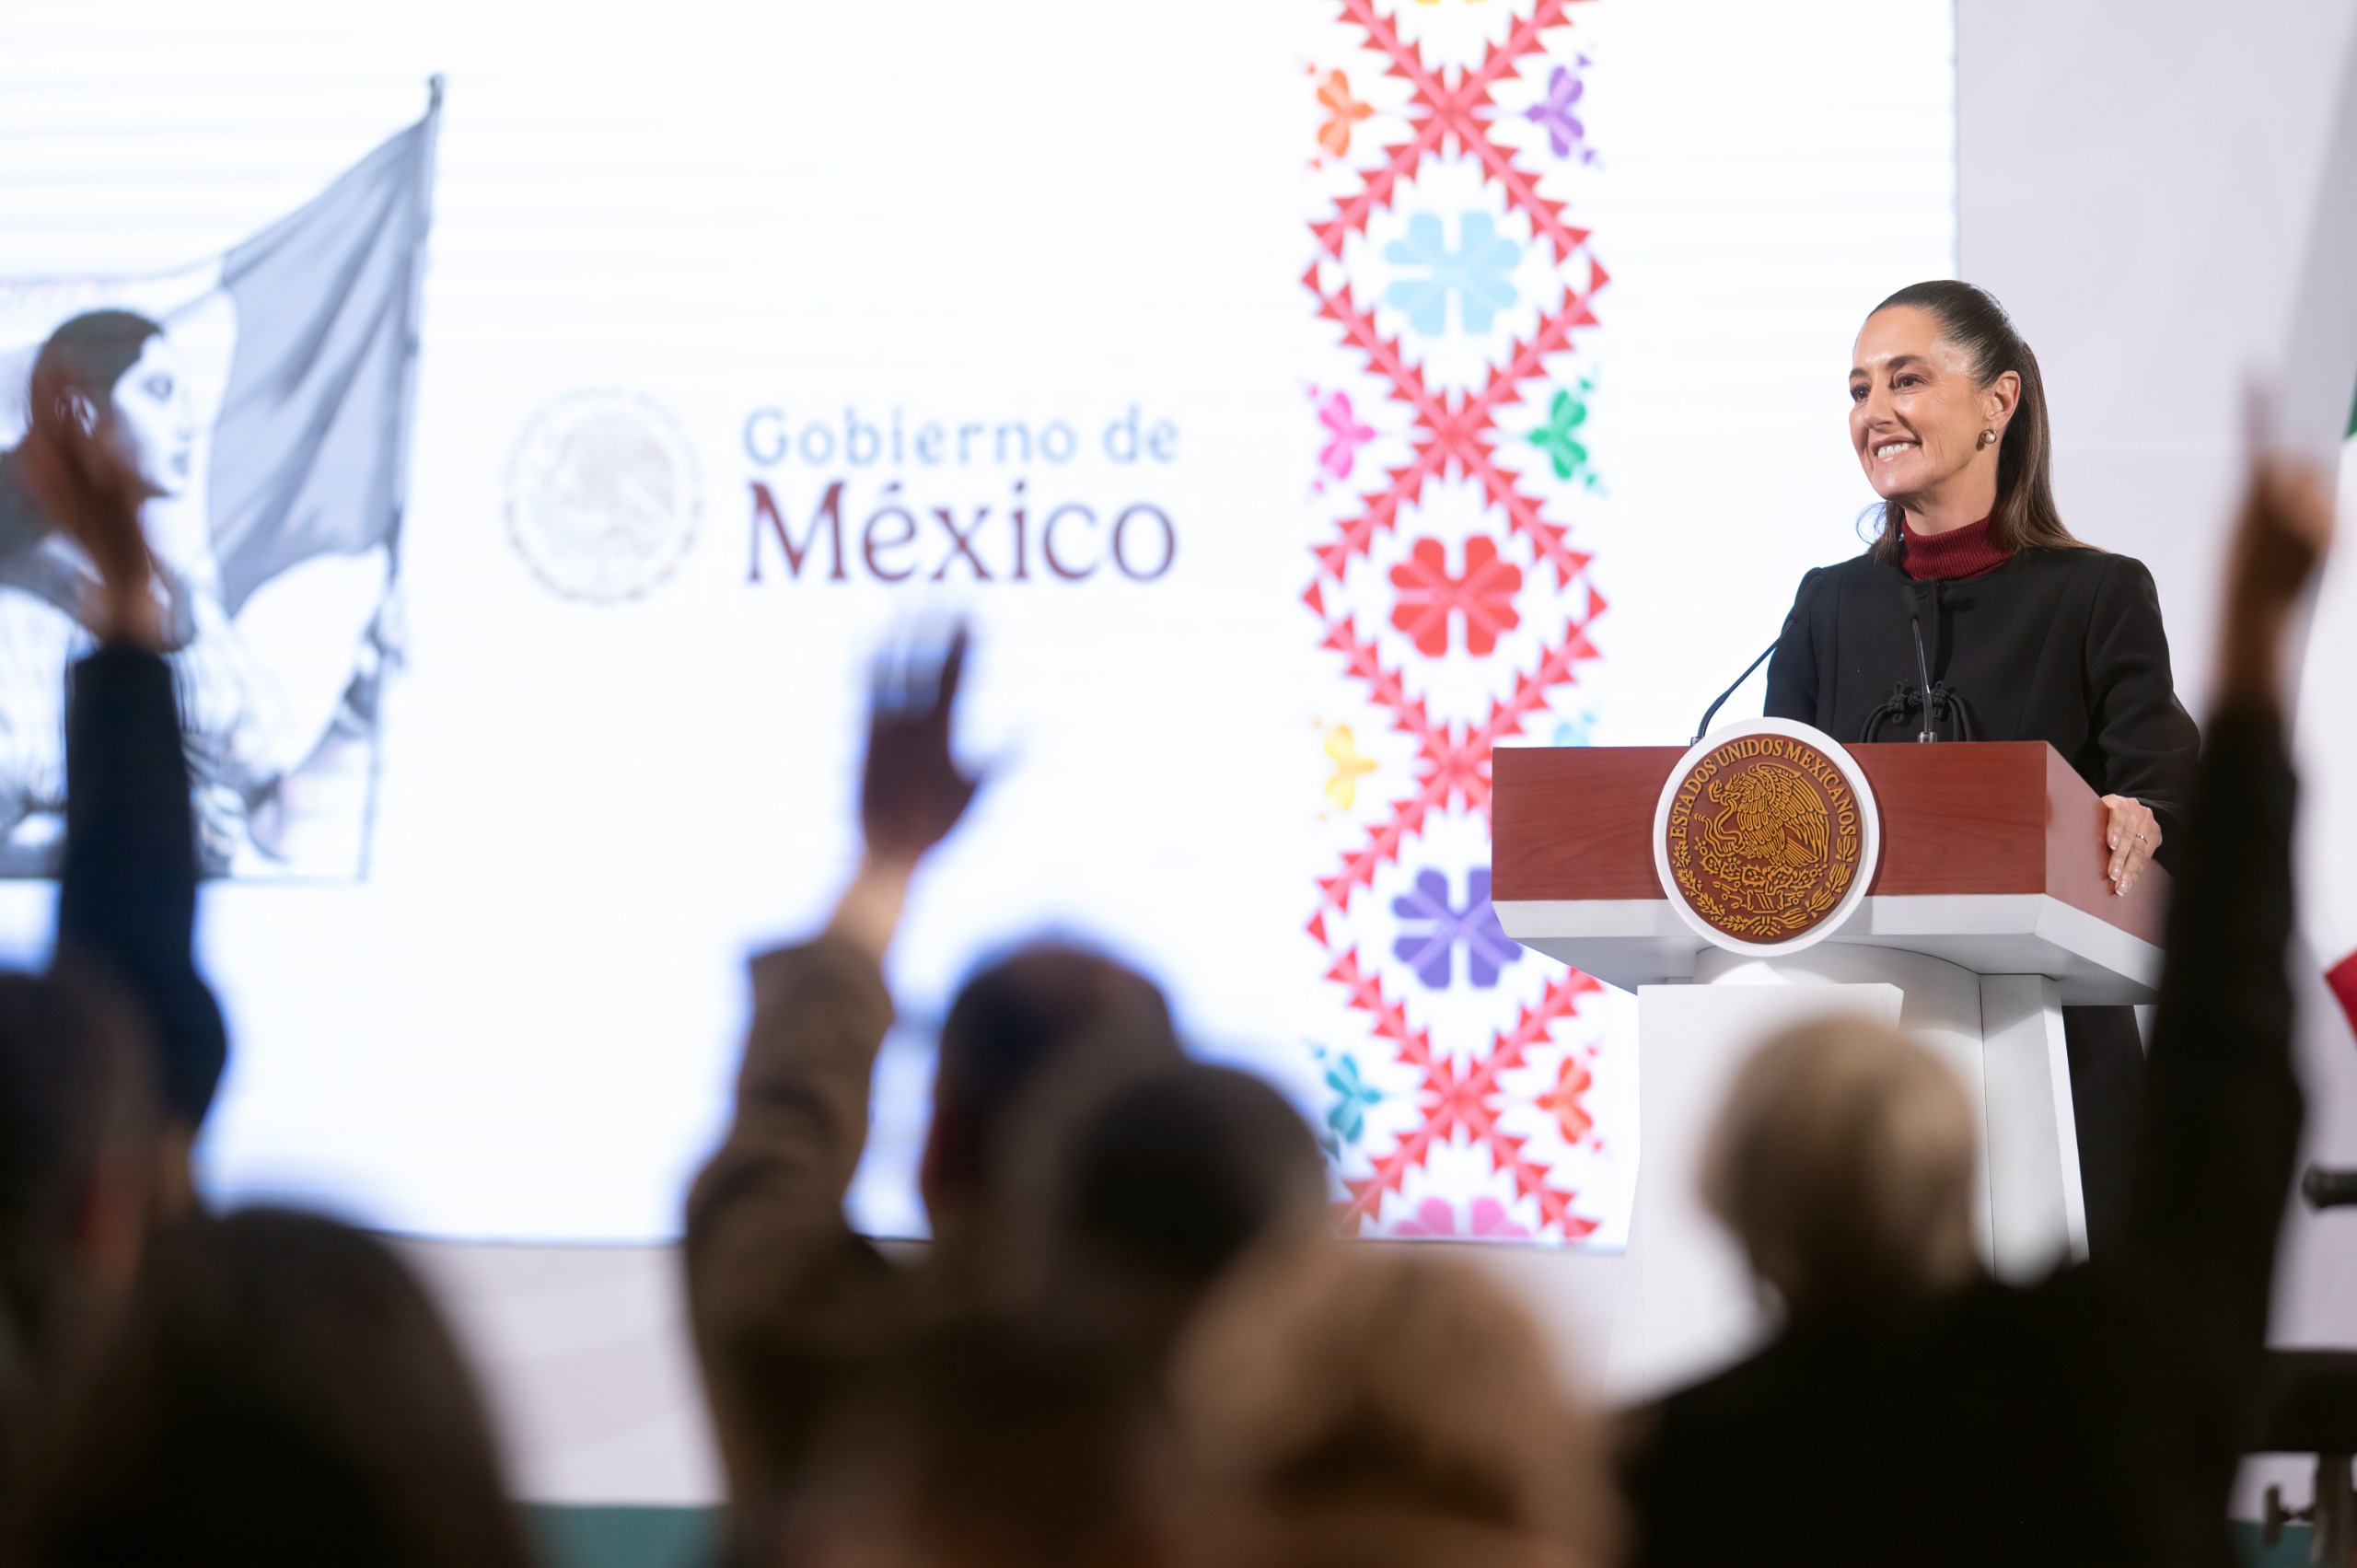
[[1917, 412]]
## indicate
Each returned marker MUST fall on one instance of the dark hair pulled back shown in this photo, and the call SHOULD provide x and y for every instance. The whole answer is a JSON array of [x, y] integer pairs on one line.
[[90, 353], [2024, 516]]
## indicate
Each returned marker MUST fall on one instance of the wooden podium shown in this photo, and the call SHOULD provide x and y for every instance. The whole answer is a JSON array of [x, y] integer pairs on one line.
[[1985, 911]]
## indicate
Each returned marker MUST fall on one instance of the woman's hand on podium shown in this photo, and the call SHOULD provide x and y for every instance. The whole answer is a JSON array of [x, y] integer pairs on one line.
[[2133, 834]]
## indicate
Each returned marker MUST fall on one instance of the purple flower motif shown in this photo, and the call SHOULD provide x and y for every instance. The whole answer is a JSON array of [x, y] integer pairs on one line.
[[1429, 949], [1553, 112]]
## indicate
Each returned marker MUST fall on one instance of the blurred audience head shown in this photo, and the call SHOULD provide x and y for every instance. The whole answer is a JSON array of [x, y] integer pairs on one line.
[[1035, 1038], [983, 1445], [1170, 1182], [1843, 1162], [1342, 1408], [77, 1168], [281, 1392]]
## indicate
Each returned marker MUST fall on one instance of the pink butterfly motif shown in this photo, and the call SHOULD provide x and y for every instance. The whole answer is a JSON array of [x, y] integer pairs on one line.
[[1348, 435], [1487, 1221]]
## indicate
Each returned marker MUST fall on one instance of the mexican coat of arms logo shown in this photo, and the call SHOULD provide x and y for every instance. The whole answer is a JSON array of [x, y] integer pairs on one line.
[[1766, 836]]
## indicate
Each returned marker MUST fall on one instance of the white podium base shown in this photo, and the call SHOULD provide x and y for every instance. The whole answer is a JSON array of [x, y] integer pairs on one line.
[[1687, 1304]]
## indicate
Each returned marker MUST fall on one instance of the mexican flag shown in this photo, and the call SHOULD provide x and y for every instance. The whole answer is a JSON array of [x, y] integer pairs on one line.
[[2327, 752], [2315, 1286], [2315, 416]]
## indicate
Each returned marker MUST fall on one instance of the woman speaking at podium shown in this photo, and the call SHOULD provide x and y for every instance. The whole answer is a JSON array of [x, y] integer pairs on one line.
[[2027, 632]]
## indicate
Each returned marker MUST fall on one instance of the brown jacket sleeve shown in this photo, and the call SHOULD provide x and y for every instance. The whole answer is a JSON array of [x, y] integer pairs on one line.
[[785, 1299]]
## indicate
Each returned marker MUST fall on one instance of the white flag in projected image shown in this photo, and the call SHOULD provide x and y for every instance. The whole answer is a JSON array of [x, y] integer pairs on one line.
[[266, 394]]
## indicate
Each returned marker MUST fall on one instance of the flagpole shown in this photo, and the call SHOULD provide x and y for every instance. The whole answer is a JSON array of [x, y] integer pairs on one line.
[[2317, 348], [413, 312], [422, 221], [412, 315]]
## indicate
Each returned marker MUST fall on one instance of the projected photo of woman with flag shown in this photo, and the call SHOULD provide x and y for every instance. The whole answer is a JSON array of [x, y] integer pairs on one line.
[[265, 400], [119, 374]]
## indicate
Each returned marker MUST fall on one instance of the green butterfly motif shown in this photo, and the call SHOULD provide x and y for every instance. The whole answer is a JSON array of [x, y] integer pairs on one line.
[[1556, 437]]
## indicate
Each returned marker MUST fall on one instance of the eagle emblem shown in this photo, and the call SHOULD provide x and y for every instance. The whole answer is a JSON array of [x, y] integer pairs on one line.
[[1771, 816], [1762, 838]]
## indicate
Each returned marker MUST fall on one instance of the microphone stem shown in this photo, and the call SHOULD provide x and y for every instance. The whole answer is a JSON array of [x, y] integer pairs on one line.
[[1712, 711], [1923, 673]]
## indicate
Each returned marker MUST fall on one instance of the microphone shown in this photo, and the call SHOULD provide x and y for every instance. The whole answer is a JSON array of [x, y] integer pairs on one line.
[[1922, 665], [2326, 1189], [1712, 711]]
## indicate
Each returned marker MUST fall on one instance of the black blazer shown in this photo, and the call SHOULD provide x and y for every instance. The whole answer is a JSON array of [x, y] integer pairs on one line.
[[2060, 645]]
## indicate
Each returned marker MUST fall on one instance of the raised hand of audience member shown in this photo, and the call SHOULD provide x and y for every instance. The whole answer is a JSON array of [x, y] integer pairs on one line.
[[2280, 538], [89, 489], [912, 790], [127, 885]]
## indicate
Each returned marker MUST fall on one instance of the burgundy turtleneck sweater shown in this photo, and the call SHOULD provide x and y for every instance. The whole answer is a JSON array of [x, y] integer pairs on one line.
[[1959, 552]]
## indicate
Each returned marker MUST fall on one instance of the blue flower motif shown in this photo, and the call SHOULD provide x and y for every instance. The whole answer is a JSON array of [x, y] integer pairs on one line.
[[1578, 730], [1479, 273], [1430, 950]]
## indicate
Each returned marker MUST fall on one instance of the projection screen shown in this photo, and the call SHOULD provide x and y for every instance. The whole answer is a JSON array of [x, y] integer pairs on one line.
[[1299, 399]]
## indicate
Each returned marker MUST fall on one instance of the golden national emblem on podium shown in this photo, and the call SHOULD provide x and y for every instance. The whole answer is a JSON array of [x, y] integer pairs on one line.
[[1762, 835]]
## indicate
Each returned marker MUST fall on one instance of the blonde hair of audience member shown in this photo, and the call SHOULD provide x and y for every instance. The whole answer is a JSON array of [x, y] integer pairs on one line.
[[1337, 1406], [1843, 1161]]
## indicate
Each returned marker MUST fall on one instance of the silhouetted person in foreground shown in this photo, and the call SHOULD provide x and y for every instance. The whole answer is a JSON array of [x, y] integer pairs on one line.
[[1341, 1408], [77, 1187], [108, 1065], [988, 1442], [2096, 1417], [283, 1395], [1162, 1190], [1843, 1162], [1025, 1436], [268, 1388], [791, 1309]]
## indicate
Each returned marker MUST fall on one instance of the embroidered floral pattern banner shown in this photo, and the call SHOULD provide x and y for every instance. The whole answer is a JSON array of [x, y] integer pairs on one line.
[[1460, 297]]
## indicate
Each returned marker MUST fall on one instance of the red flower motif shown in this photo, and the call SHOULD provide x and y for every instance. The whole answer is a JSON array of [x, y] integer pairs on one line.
[[1567, 1101], [1484, 595]]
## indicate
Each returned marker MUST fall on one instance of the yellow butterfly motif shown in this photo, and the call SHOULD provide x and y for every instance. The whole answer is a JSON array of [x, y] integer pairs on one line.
[[1349, 766]]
